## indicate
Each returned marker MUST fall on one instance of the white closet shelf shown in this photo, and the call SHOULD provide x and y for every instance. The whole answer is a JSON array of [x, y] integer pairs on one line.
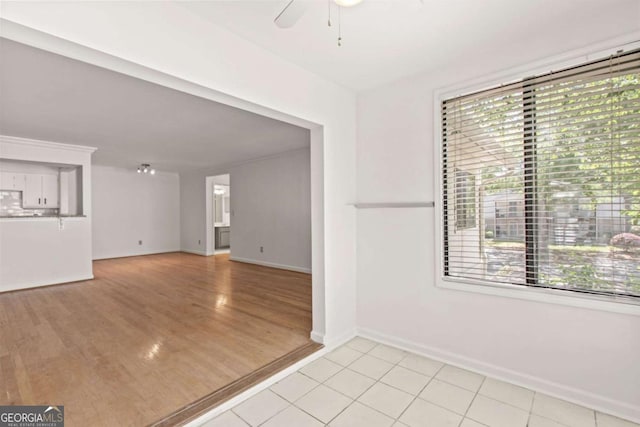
[[384, 205]]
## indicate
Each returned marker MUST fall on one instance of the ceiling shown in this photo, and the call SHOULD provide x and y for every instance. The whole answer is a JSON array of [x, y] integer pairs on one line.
[[51, 97], [384, 40], [131, 121]]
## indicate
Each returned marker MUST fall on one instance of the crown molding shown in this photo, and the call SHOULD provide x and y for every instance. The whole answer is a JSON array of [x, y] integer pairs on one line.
[[6, 139]]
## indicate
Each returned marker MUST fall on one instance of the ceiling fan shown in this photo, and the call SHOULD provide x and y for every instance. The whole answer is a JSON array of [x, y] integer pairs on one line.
[[294, 10]]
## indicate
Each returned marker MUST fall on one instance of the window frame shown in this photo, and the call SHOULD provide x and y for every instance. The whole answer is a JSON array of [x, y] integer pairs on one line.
[[611, 303]]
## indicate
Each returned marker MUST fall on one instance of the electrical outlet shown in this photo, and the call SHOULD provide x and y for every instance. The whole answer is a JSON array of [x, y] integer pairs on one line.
[[198, 242], [261, 249], [139, 242]]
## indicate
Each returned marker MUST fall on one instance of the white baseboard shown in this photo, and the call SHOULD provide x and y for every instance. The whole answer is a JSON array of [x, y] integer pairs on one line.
[[190, 251], [317, 337], [577, 396], [130, 254], [271, 264], [37, 284], [330, 341], [337, 340]]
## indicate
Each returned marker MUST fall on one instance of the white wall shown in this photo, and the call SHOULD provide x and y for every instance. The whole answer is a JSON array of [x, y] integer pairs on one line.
[[584, 355], [168, 38], [195, 226], [271, 206], [224, 179], [46, 251], [129, 207]]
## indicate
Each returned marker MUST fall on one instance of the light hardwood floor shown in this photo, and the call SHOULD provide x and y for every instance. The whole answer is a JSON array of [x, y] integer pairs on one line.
[[148, 335]]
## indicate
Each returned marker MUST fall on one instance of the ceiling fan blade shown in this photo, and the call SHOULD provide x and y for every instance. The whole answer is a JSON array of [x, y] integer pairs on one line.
[[292, 12]]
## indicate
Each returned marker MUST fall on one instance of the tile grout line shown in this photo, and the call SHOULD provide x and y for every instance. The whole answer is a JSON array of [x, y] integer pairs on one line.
[[423, 388], [324, 384], [318, 385], [510, 404], [238, 415], [535, 393], [471, 403], [531, 408], [291, 404], [388, 385], [417, 396], [276, 414], [376, 381], [463, 388], [360, 395]]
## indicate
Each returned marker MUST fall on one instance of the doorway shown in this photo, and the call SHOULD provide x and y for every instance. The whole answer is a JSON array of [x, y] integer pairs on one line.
[[220, 226], [195, 218], [194, 228]]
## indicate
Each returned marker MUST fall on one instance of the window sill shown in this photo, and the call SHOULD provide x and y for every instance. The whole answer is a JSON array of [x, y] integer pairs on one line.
[[620, 305]]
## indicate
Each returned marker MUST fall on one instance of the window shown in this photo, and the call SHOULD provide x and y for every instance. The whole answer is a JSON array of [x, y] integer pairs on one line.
[[541, 181], [465, 200]]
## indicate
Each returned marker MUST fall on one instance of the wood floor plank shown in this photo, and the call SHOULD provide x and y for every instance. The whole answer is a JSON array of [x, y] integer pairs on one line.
[[152, 339]]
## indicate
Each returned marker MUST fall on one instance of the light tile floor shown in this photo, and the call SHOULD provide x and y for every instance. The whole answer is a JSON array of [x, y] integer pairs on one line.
[[366, 384]]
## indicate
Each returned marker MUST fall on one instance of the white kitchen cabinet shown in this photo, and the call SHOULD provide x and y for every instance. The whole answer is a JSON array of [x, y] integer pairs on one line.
[[50, 191], [41, 191], [12, 181], [32, 196]]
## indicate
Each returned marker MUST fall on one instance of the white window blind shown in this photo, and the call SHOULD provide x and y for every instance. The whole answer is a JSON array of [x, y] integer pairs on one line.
[[541, 180]]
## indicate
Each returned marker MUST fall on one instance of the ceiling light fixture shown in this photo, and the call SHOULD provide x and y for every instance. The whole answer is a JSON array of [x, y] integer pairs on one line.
[[146, 168], [347, 3]]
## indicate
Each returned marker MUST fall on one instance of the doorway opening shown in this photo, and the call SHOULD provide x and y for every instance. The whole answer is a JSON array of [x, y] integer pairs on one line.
[[197, 227], [220, 225]]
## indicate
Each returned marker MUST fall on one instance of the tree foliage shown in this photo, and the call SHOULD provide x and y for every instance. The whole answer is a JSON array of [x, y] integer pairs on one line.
[[586, 138]]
